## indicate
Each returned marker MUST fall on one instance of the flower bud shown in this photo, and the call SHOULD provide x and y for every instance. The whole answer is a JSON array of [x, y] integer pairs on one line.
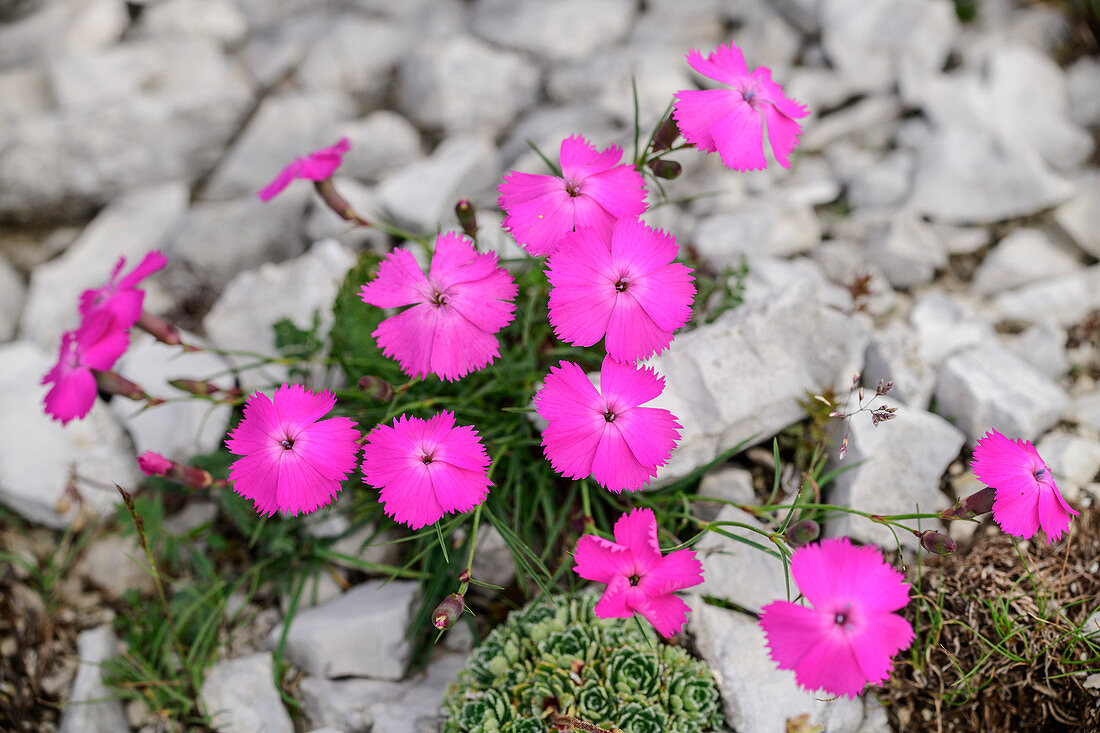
[[154, 464], [160, 329], [666, 134], [467, 217], [937, 543], [803, 532], [337, 203], [379, 389], [977, 503], [113, 383], [194, 386], [447, 613], [667, 169]]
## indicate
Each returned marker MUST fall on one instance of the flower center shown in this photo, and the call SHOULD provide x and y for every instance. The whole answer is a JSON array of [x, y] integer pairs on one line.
[[1040, 474], [621, 284], [573, 189], [440, 299], [634, 579], [287, 443], [748, 95], [841, 617], [609, 416]]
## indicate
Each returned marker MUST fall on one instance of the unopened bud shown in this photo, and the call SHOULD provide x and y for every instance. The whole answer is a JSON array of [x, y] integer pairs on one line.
[[977, 503], [113, 383], [338, 203], [666, 169], [194, 386], [160, 329], [154, 464], [447, 613], [666, 134], [803, 532], [379, 389], [936, 542], [467, 217]]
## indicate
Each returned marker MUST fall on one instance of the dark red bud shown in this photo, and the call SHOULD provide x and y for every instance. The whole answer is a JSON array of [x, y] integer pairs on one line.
[[161, 329], [467, 217], [379, 389], [112, 383], [980, 502], [803, 532], [448, 612], [666, 134], [338, 203], [667, 169], [936, 542]]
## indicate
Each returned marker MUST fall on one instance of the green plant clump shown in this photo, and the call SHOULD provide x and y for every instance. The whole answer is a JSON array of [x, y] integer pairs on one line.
[[556, 659]]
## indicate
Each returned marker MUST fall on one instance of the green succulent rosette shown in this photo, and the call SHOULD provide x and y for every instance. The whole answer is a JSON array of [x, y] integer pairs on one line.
[[556, 654]]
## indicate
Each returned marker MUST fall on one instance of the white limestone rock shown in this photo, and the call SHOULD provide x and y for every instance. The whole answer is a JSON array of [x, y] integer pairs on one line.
[[560, 31], [34, 476], [859, 122], [775, 227], [1023, 257], [356, 56], [1083, 84], [359, 634], [730, 484], [381, 142], [130, 227], [945, 326], [1043, 345], [219, 20], [1065, 300], [1073, 460], [909, 454], [12, 294], [1080, 216], [894, 355], [240, 696], [61, 27], [93, 707], [24, 92], [988, 387], [1085, 409], [735, 571], [907, 251], [116, 563]]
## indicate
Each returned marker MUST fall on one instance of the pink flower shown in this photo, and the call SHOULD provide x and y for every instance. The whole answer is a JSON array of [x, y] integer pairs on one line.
[[1026, 496], [154, 464], [621, 284], [593, 190], [97, 344], [317, 166], [605, 433], [292, 460], [426, 468], [120, 296], [639, 579], [456, 310], [849, 635], [731, 121]]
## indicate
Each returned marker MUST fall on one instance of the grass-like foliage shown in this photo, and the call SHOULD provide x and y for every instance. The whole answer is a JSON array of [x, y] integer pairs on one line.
[[555, 662]]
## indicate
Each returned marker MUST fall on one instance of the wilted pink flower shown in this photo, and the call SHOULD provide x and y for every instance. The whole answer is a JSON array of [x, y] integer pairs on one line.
[[317, 166], [731, 121], [292, 460], [97, 344], [850, 633], [605, 433], [120, 296], [424, 469], [456, 310], [593, 190], [1026, 496], [639, 579], [620, 283], [154, 464]]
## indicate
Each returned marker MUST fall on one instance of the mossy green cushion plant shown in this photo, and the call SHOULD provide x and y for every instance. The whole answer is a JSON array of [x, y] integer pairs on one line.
[[557, 656]]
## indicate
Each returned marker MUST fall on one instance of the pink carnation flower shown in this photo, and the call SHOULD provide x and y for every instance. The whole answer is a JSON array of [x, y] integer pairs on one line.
[[1026, 496], [605, 433], [849, 635], [120, 296], [731, 121], [639, 579], [593, 191], [97, 344], [154, 464], [426, 468], [456, 310], [291, 461], [621, 284], [317, 166]]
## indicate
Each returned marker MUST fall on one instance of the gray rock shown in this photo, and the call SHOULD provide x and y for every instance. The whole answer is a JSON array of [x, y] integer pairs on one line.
[[256, 299], [240, 696], [1065, 300], [1043, 345], [859, 122], [819, 88], [1080, 216], [968, 176], [322, 222], [116, 563], [381, 142], [130, 227], [219, 20], [1073, 460], [357, 56], [962, 240], [559, 30], [177, 430], [680, 24], [461, 84], [284, 127], [1083, 85], [356, 705], [775, 227], [61, 27], [944, 327], [738, 572], [988, 387], [894, 355], [909, 454], [765, 37], [1085, 409], [547, 126], [743, 376], [33, 479], [757, 696], [843, 261], [1024, 256], [493, 562], [359, 634], [871, 181], [93, 707], [216, 240], [422, 194], [12, 294], [24, 93], [729, 484], [907, 251], [877, 44], [274, 51]]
